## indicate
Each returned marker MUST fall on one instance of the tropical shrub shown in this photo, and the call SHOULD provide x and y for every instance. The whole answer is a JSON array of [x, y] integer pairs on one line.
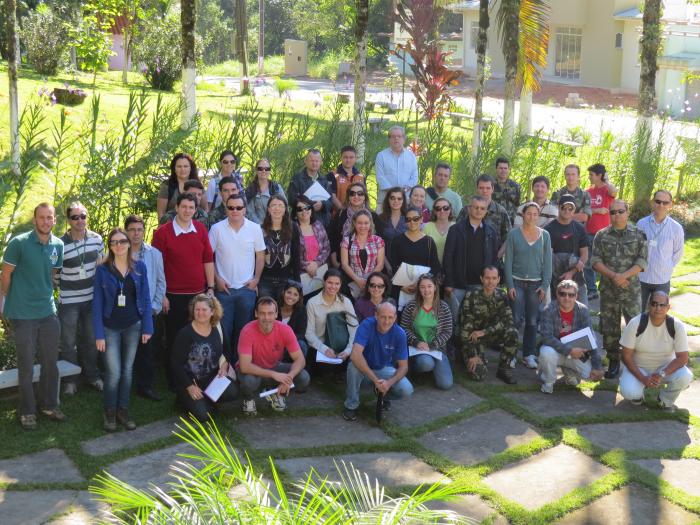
[[44, 38]]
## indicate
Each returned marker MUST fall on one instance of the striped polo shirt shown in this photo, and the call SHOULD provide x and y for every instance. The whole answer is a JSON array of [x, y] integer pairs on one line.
[[76, 286]]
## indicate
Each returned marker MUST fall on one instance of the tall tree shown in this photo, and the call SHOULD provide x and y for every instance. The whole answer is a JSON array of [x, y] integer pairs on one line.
[[508, 17], [649, 50], [189, 67], [242, 44], [360, 70], [481, 43], [261, 37], [11, 17]]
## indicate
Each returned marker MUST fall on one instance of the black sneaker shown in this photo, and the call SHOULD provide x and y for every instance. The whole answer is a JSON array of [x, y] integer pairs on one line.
[[505, 374], [350, 414]]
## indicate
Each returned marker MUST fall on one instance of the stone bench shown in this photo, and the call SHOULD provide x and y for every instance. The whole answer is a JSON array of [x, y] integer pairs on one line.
[[390, 107], [9, 378], [572, 144], [458, 118], [375, 124]]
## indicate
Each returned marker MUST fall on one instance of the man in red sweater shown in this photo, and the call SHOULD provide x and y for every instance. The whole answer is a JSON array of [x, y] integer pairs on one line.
[[188, 261]]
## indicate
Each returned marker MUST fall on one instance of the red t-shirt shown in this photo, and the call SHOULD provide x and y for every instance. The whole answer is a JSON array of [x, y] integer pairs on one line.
[[267, 349], [567, 322], [599, 199]]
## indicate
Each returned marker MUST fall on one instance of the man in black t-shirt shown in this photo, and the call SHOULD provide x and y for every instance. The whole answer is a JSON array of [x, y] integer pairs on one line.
[[570, 249]]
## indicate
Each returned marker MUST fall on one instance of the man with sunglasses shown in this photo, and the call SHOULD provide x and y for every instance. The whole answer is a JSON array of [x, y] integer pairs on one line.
[[619, 255], [560, 318], [227, 187], [304, 179], [228, 164], [665, 238], [655, 354], [83, 250]]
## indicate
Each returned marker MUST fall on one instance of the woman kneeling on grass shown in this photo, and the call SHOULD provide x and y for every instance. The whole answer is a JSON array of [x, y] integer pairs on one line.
[[121, 317], [201, 352]]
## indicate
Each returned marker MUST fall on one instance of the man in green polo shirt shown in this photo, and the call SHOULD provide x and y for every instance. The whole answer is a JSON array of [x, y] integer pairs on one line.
[[29, 264]]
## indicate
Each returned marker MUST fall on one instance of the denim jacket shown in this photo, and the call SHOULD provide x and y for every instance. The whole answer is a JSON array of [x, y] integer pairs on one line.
[[105, 292], [550, 326]]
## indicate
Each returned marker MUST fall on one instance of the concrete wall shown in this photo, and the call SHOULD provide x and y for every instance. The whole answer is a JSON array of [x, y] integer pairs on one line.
[[116, 61], [629, 77]]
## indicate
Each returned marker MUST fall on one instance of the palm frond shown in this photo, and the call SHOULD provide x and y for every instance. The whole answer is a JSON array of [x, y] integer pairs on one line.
[[535, 16]]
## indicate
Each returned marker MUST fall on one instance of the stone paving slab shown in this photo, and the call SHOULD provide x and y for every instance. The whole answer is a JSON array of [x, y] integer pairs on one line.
[[572, 403], [315, 431], [312, 398], [479, 437], [85, 510], [428, 403], [116, 441], [15, 505], [31, 468], [688, 277], [631, 504], [149, 469], [690, 398], [557, 472], [471, 506], [694, 343], [390, 468], [683, 473], [648, 435], [524, 375], [687, 304]]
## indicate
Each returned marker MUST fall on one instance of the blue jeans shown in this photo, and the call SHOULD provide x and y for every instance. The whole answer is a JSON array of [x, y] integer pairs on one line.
[[442, 372], [525, 310], [588, 272], [355, 378], [238, 305], [76, 320], [120, 350]]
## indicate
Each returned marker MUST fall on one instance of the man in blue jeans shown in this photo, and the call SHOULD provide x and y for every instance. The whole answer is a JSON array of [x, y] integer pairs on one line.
[[380, 355]]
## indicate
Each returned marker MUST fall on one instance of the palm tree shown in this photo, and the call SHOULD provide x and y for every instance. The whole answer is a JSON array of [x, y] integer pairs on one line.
[[11, 16], [508, 17], [481, 43], [189, 67], [360, 70]]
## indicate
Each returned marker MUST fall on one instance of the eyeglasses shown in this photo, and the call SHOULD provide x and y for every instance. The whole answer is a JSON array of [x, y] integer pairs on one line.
[[617, 212], [396, 198], [228, 162], [414, 219], [377, 285], [654, 304], [660, 202], [76, 217], [120, 242], [263, 168], [567, 294], [442, 208], [303, 209], [236, 208], [354, 193]]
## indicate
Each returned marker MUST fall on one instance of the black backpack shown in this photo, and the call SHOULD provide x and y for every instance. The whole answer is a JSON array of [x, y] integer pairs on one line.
[[644, 322]]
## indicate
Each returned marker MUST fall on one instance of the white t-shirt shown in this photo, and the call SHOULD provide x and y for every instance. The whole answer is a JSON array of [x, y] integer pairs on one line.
[[234, 252], [655, 347]]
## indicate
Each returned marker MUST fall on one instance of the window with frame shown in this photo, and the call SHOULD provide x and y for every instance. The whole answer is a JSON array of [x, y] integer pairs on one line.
[[567, 56]]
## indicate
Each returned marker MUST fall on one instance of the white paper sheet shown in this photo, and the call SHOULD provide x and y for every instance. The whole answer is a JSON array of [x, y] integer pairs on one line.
[[316, 192], [412, 350], [311, 284], [408, 274], [579, 334], [323, 358], [272, 391], [217, 387]]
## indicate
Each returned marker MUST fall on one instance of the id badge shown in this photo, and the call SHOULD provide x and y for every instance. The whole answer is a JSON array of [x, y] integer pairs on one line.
[[652, 243], [82, 273], [121, 300]]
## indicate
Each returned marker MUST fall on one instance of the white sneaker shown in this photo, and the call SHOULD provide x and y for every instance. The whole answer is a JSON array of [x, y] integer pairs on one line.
[[277, 402], [513, 362], [547, 388], [530, 361], [70, 389], [249, 408], [98, 385]]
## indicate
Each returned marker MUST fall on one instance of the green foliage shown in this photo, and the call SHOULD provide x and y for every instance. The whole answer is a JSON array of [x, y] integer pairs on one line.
[[91, 37], [215, 30], [157, 51], [44, 38], [282, 85]]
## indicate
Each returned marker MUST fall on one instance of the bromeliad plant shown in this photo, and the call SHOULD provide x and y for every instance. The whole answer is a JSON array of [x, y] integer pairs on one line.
[[216, 487]]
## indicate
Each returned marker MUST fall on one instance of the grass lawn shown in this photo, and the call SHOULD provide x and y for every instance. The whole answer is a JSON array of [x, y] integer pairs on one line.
[[691, 258]]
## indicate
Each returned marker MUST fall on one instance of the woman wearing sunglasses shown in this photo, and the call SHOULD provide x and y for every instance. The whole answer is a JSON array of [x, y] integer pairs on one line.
[[281, 249], [314, 246], [376, 291], [361, 252], [121, 318], [260, 190], [341, 225], [427, 322], [393, 218], [441, 219]]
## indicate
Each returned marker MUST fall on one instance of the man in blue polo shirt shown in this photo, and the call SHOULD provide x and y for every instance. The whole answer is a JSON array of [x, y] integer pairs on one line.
[[30, 262], [380, 355]]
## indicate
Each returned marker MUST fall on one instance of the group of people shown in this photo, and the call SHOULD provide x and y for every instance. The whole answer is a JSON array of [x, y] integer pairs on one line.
[[228, 279]]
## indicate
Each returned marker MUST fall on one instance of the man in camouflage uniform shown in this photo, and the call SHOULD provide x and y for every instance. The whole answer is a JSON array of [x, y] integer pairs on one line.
[[582, 199], [496, 215], [196, 188], [227, 187], [506, 191], [486, 320], [619, 255]]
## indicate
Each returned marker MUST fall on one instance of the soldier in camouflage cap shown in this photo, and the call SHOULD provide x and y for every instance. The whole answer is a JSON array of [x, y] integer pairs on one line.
[[619, 255], [486, 320], [506, 191]]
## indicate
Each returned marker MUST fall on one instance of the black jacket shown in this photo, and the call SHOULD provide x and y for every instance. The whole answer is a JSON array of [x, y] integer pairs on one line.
[[454, 259]]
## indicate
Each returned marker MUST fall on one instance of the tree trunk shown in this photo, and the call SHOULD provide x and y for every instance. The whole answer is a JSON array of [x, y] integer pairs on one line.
[[360, 70], [649, 50], [481, 43], [189, 67], [126, 44], [12, 55], [242, 44], [261, 38], [510, 45], [525, 118]]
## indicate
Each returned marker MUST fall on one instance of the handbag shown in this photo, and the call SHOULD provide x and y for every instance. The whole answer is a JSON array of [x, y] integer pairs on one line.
[[336, 335]]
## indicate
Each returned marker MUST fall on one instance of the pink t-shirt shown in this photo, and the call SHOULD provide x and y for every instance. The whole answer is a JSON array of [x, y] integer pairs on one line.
[[599, 199], [312, 248], [267, 349]]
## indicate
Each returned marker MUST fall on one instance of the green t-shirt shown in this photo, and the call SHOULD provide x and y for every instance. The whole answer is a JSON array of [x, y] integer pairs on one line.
[[425, 326], [31, 286]]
